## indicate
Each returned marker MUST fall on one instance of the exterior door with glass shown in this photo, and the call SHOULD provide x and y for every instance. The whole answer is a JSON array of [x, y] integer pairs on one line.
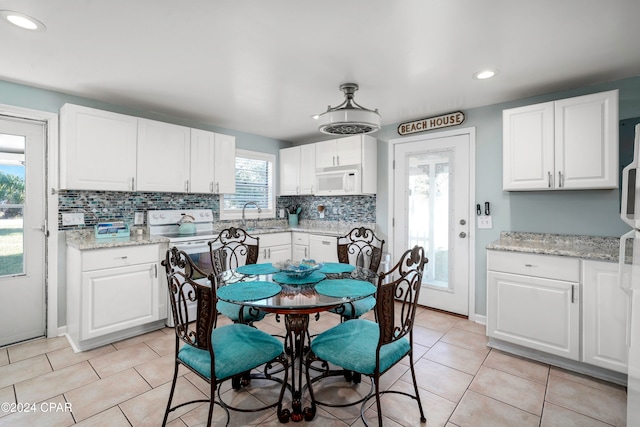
[[22, 225], [431, 209]]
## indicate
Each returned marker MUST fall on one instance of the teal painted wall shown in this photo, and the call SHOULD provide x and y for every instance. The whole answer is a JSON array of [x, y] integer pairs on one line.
[[585, 212]]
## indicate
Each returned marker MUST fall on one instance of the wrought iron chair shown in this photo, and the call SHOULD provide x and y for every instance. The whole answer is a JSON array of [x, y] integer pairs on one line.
[[362, 248], [372, 348], [235, 248], [215, 354]]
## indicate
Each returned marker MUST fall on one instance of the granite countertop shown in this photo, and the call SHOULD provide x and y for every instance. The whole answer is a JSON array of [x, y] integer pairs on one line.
[[584, 247], [85, 239]]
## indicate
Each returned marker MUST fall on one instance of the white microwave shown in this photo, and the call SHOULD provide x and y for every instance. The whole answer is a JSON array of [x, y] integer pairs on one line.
[[338, 182]]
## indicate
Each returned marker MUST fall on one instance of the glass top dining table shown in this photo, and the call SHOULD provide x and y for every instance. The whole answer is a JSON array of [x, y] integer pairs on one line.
[[263, 287]]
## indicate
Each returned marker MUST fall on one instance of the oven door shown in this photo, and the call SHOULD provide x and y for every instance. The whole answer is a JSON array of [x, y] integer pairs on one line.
[[198, 251]]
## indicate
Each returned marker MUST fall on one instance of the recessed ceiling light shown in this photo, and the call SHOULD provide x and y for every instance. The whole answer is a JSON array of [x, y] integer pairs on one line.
[[21, 20], [484, 74]]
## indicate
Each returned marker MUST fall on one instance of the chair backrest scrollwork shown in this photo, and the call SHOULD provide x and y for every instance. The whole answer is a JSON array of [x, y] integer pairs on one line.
[[183, 289], [361, 247], [398, 298], [239, 248]]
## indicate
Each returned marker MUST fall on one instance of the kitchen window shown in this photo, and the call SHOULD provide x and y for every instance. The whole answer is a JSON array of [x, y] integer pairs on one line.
[[254, 183]]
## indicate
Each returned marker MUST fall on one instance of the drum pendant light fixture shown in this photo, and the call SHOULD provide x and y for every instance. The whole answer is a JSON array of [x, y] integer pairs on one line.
[[349, 118]]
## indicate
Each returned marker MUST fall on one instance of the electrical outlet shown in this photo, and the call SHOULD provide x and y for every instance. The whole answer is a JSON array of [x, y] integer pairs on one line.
[[484, 221], [74, 218], [139, 218]]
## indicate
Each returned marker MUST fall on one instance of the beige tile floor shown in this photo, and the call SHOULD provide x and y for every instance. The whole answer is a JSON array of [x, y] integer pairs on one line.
[[462, 383]]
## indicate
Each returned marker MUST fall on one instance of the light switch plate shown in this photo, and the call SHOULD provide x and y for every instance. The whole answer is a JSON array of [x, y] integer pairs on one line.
[[484, 221], [74, 218], [139, 218]]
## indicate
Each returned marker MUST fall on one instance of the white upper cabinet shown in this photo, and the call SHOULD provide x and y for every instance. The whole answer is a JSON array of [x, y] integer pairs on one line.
[[567, 144], [163, 156], [97, 149], [212, 162], [100, 150], [297, 170], [225, 164], [339, 152]]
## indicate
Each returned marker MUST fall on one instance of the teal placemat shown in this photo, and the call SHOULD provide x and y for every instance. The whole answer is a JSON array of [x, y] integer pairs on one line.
[[249, 291], [336, 267], [341, 288], [314, 277], [251, 269]]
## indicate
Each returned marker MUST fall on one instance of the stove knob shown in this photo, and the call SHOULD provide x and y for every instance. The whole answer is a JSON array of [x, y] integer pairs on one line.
[[154, 216]]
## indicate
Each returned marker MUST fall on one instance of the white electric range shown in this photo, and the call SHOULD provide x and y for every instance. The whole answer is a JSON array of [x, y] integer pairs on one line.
[[195, 242]]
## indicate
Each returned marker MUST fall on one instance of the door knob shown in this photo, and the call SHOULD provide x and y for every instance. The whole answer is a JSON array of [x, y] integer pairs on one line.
[[463, 222], [462, 234]]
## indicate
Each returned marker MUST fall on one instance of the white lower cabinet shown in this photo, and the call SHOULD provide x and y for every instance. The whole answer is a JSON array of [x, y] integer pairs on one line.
[[605, 316], [533, 301], [323, 248], [114, 293], [299, 246], [560, 306], [274, 247]]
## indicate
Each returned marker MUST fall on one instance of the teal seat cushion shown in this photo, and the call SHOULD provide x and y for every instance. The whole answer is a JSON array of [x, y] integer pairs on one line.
[[237, 348], [352, 345], [359, 308], [232, 311]]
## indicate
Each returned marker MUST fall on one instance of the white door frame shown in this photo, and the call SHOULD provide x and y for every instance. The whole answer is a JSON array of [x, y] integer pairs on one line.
[[471, 131], [51, 162]]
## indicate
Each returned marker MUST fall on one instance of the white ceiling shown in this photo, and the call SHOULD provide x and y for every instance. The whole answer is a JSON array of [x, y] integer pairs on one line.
[[266, 66]]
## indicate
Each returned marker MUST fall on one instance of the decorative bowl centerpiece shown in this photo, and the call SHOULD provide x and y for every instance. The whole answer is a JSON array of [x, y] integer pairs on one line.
[[298, 269]]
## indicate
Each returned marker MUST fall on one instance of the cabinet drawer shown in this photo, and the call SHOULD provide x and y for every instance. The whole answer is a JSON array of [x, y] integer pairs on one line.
[[119, 257], [274, 239], [299, 238], [547, 266]]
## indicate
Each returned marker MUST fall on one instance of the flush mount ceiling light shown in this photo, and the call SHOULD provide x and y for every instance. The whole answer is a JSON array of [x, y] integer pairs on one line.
[[484, 74], [21, 20], [349, 118]]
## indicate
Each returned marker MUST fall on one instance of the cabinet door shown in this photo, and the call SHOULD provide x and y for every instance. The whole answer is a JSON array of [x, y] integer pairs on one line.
[[605, 316], [97, 149], [163, 157], [586, 141], [279, 253], [325, 154], [323, 248], [201, 179], [225, 164], [537, 313], [349, 151], [274, 253], [307, 168], [528, 148], [115, 299], [290, 171], [300, 252]]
